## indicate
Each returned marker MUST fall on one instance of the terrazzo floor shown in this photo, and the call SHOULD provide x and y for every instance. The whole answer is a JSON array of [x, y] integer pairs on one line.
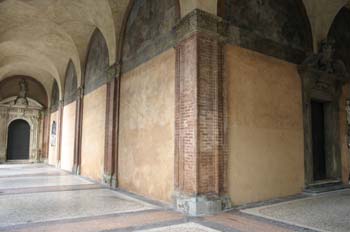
[[37, 197], [326, 212]]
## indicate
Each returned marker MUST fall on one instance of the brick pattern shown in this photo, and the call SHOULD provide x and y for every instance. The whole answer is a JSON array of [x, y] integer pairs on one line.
[[186, 117], [199, 116]]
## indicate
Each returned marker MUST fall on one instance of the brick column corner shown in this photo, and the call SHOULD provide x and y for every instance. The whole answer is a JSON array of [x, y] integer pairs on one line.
[[111, 139], [78, 130], [200, 167]]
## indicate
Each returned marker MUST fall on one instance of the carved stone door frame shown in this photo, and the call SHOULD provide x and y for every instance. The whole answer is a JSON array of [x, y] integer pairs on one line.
[[326, 88]]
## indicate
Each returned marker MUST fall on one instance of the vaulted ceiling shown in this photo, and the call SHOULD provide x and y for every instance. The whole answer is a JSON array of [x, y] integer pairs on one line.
[[39, 37]]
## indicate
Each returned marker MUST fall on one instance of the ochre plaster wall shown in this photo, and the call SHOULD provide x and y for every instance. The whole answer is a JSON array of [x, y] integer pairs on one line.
[[93, 137], [53, 149], [343, 135], [147, 118], [264, 126], [68, 133]]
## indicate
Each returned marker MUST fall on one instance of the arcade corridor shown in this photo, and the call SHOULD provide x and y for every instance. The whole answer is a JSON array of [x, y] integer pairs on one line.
[[211, 107], [36, 197]]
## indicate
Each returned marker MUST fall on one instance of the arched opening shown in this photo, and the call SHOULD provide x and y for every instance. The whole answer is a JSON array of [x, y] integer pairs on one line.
[[54, 120], [69, 118], [147, 88], [340, 34], [18, 140], [94, 107]]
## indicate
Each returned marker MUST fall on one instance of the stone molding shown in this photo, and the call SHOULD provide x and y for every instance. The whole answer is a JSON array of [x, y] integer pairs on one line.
[[322, 80], [32, 114], [202, 205], [199, 21]]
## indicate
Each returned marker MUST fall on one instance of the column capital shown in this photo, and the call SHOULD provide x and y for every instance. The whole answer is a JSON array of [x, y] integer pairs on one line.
[[80, 93], [113, 71], [199, 21]]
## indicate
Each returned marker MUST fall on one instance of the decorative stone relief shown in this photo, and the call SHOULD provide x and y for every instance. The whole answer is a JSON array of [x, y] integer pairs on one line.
[[27, 109], [322, 79]]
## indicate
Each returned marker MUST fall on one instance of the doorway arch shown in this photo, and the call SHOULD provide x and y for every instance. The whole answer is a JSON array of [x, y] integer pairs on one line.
[[18, 141]]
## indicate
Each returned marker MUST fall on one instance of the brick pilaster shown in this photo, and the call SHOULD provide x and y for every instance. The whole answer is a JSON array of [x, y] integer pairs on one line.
[[111, 142], [200, 168], [78, 130]]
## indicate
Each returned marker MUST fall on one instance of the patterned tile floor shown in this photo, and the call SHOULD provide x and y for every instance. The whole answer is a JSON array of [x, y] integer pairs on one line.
[[42, 198]]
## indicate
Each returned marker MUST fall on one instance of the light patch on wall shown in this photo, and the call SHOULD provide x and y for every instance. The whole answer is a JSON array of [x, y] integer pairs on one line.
[[68, 134], [93, 137], [146, 138], [265, 127]]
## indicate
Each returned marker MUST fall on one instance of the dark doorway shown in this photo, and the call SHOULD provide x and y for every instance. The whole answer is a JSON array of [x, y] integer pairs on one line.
[[318, 141], [18, 140]]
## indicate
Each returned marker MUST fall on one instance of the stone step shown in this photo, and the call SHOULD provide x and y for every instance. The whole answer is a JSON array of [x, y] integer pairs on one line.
[[323, 187]]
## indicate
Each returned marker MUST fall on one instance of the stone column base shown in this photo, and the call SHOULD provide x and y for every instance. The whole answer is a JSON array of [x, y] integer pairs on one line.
[[202, 205], [76, 169], [110, 180]]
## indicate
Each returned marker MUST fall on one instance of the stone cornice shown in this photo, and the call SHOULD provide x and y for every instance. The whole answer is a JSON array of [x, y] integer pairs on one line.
[[199, 21]]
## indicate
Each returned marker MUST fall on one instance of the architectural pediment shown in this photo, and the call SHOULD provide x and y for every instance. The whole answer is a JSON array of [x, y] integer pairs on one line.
[[15, 102]]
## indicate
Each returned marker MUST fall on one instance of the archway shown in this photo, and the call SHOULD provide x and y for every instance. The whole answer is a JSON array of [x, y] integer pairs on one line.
[[18, 140], [94, 107]]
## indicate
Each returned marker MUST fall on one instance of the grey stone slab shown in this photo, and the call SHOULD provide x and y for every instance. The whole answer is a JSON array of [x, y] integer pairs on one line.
[[52, 206], [41, 181], [327, 212], [187, 227], [7, 170], [23, 166]]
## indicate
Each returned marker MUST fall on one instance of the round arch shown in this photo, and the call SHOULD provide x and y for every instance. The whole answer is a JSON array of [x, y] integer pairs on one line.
[[18, 140]]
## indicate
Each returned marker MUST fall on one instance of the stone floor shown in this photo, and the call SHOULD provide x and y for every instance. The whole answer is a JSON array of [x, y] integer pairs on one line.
[[37, 197], [325, 212]]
